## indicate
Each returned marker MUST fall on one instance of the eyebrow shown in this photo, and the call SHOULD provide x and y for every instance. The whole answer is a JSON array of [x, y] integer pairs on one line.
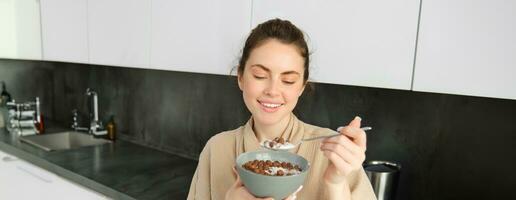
[[268, 70]]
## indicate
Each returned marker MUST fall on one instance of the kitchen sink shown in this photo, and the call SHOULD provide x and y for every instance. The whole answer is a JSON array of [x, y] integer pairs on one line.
[[63, 140]]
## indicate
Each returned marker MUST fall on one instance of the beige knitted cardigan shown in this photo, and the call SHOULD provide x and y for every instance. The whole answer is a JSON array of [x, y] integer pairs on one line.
[[214, 175]]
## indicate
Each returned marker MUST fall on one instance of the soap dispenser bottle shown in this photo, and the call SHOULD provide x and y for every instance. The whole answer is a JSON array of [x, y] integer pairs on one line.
[[111, 128], [4, 98]]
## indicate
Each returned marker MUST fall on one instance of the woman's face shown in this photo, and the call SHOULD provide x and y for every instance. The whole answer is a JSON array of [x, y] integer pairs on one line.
[[272, 81]]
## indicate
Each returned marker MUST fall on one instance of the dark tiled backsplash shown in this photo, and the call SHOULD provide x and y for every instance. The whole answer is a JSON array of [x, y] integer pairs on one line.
[[449, 146], [172, 111]]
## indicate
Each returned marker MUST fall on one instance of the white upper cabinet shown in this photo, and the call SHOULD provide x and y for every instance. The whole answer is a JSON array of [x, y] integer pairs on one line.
[[119, 32], [20, 29], [198, 35], [365, 43], [64, 30], [467, 47]]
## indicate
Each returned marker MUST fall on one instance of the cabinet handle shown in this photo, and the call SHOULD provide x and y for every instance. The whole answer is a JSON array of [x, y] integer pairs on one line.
[[46, 180], [9, 159]]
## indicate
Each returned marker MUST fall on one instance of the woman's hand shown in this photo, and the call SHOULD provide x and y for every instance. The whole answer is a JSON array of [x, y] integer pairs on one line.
[[238, 191], [346, 153]]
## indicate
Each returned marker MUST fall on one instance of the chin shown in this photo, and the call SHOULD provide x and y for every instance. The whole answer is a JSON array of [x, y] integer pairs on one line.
[[266, 120], [269, 118]]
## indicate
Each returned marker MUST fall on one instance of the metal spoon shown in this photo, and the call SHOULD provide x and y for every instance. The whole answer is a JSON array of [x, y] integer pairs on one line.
[[289, 146]]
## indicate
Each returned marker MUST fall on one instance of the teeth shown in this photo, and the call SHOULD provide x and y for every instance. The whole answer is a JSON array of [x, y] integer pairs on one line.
[[270, 105]]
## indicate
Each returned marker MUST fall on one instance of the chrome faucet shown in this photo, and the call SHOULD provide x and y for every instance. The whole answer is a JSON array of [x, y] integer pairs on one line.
[[95, 124]]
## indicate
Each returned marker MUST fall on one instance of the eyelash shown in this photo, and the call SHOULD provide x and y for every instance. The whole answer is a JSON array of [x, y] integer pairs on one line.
[[286, 82]]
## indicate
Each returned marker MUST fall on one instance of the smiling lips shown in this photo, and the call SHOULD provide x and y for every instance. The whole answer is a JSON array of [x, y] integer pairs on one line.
[[270, 107]]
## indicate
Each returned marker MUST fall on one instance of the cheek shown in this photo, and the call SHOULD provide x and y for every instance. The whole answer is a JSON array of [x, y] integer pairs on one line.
[[292, 95], [251, 89]]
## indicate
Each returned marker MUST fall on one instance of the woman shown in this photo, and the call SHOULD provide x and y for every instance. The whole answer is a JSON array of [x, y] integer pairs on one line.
[[272, 74]]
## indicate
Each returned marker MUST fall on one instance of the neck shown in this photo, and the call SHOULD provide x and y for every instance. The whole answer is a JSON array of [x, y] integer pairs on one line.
[[270, 131]]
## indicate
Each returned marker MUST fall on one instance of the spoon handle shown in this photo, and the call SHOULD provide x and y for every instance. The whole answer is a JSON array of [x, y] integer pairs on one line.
[[333, 135]]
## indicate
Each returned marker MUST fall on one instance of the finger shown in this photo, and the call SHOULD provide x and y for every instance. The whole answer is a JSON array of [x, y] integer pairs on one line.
[[293, 196], [290, 197], [357, 135], [341, 165], [346, 142], [238, 182], [298, 189], [234, 170], [355, 122], [345, 154], [247, 195], [268, 198]]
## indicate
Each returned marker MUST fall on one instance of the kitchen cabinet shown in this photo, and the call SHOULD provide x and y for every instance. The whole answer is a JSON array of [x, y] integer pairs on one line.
[[22, 180], [3, 154], [364, 43], [467, 47], [64, 30], [20, 29], [198, 36], [119, 32]]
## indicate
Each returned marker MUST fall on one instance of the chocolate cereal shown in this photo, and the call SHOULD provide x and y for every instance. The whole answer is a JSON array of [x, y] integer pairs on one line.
[[272, 168]]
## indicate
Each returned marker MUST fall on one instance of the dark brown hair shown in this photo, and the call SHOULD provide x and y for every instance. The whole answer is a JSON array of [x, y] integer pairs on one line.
[[281, 30]]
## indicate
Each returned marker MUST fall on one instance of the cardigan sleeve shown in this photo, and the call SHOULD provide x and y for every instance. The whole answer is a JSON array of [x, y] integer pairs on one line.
[[360, 186], [200, 186]]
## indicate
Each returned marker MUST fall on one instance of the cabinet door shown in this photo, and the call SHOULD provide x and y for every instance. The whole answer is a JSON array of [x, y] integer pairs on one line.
[[365, 43], [467, 47], [20, 29], [64, 30], [199, 35], [18, 176], [74, 191], [3, 154], [22, 180], [8, 176], [119, 32]]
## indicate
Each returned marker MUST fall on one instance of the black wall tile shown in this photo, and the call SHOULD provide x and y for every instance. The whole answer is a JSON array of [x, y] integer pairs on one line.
[[26, 80], [449, 146]]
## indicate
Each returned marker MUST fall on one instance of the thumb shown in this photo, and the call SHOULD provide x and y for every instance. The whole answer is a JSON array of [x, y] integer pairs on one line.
[[355, 122], [293, 196], [238, 182]]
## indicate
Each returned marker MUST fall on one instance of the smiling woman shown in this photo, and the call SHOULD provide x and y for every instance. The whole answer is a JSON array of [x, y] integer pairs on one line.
[[272, 83], [272, 74]]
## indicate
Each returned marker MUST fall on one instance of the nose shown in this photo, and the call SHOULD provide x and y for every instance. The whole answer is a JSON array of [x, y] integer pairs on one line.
[[273, 88]]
